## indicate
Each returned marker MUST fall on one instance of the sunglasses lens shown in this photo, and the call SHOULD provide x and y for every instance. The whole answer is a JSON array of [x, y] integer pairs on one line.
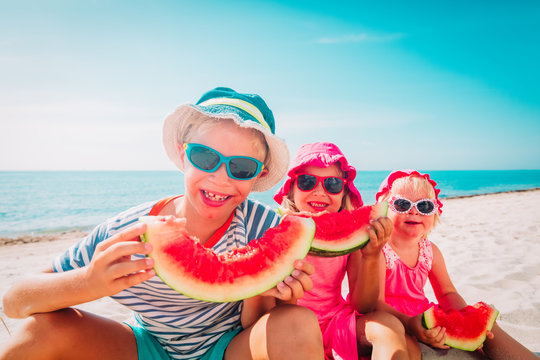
[[402, 205], [306, 182], [425, 207], [333, 185], [242, 168], [203, 158]]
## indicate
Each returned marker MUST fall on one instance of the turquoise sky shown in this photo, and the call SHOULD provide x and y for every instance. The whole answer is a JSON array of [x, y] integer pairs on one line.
[[417, 84]]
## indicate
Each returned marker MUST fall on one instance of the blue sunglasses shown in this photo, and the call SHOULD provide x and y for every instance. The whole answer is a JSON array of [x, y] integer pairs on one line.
[[209, 160]]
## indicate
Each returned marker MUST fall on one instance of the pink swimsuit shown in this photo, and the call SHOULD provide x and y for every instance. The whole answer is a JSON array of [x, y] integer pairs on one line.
[[404, 289], [336, 317]]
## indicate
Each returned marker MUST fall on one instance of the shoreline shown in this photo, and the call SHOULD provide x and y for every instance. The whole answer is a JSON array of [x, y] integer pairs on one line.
[[29, 239], [9, 240], [491, 193]]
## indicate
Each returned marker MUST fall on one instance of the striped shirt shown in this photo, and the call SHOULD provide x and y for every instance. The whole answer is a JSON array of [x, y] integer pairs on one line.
[[185, 327]]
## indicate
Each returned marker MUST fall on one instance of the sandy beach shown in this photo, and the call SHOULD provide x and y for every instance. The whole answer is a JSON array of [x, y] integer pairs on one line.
[[491, 245]]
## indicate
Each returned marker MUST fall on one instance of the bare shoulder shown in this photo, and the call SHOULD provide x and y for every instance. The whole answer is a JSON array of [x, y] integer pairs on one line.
[[436, 251]]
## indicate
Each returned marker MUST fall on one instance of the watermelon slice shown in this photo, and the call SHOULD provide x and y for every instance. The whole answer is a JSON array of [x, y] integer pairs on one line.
[[195, 271], [346, 231], [466, 329]]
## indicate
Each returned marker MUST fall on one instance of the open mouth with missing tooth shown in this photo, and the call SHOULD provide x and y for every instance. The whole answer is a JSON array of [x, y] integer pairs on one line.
[[214, 197]]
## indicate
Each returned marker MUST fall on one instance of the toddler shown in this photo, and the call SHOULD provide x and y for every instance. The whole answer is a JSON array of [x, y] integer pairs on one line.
[[411, 259]]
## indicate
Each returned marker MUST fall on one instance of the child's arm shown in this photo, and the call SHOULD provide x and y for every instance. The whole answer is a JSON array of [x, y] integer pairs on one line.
[[381, 303], [363, 268], [445, 291], [110, 271], [447, 297]]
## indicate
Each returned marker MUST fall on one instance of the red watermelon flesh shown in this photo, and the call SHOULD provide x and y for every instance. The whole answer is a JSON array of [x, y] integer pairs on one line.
[[466, 329], [195, 271], [345, 231]]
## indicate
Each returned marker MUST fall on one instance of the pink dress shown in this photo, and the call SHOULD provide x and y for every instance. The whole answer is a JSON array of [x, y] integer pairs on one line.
[[336, 318], [404, 289]]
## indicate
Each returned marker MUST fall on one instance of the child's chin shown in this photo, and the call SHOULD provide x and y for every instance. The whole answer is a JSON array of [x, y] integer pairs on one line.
[[415, 230]]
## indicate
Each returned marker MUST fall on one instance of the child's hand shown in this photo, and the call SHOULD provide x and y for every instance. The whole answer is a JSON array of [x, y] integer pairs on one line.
[[489, 335], [379, 234], [434, 337], [293, 287], [112, 270]]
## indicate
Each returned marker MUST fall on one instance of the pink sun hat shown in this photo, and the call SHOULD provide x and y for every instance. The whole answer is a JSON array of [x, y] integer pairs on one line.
[[398, 174], [320, 154]]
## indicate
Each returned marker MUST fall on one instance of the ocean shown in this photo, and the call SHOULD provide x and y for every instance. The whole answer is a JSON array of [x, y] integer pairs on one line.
[[40, 202]]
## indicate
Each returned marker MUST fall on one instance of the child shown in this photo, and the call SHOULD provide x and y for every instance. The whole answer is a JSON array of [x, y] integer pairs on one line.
[[321, 179], [226, 147], [411, 259]]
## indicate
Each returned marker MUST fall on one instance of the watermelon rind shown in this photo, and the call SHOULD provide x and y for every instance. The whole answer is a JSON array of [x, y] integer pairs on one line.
[[266, 276], [429, 320], [356, 240]]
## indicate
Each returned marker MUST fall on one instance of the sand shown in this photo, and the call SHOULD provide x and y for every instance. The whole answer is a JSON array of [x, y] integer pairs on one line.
[[491, 245]]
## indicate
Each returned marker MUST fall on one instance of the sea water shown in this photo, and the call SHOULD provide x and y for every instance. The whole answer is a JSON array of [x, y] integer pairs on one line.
[[37, 202]]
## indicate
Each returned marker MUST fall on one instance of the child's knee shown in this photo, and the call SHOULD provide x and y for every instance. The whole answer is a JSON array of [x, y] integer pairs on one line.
[[383, 324], [50, 328], [37, 334], [39, 325], [297, 323], [296, 315]]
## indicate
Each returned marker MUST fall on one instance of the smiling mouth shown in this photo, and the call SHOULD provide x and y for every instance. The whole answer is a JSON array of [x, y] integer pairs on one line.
[[214, 197], [317, 205], [412, 222]]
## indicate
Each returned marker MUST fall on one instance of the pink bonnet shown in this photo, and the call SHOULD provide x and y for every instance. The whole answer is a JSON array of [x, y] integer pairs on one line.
[[397, 174], [320, 154]]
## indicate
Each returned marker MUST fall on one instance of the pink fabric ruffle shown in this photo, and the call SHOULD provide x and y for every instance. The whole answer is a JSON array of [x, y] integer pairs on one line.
[[397, 174], [320, 154]]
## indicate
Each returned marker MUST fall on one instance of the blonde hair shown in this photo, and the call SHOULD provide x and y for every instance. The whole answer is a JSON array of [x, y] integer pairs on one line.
[[346, 203], [200, 123], [415, 183]]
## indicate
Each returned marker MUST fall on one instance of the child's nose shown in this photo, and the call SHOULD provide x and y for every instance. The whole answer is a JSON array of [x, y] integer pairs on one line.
[[319, 188], [413, 211], [221, 173]]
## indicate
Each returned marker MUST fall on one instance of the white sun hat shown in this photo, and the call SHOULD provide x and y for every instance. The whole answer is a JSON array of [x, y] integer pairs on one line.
[[247, 110]]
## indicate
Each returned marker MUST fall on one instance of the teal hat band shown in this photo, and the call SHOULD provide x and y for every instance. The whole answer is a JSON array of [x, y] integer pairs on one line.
[[240, 105], [221, 101]]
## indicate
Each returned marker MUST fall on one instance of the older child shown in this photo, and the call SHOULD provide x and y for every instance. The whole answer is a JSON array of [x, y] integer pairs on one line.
[[411, 259], [226, 147], [321, 179]]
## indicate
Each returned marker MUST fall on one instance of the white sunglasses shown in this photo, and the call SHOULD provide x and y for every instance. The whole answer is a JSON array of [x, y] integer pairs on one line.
[[401, 205]]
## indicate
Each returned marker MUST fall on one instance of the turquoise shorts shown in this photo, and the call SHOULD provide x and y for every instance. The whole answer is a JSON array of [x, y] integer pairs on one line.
[[149, 348]]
